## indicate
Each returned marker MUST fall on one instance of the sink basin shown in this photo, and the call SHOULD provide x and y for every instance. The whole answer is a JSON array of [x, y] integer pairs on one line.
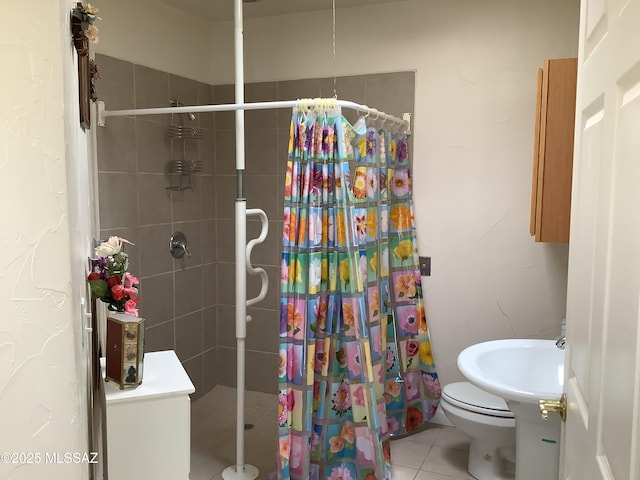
[[523, 370]]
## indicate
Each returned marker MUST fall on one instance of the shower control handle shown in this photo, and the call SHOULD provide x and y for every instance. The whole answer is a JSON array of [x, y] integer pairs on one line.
[[178, 245]]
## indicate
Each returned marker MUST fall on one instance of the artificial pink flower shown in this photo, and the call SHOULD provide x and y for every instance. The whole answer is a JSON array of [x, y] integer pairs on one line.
[[130, 280], [131, 292], [117, 292], [130, 307]]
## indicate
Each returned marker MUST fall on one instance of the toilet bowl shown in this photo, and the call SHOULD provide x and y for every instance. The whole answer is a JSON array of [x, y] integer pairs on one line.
[[489, 423]]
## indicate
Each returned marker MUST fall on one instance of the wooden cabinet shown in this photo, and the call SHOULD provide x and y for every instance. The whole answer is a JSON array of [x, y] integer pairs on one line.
[[553, 150]]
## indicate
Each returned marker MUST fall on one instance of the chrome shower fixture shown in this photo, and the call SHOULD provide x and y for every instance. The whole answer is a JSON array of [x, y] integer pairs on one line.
[[174, 102]]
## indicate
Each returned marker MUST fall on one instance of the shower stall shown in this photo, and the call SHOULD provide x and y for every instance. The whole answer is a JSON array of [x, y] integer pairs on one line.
[[188, 304], [194, 279]]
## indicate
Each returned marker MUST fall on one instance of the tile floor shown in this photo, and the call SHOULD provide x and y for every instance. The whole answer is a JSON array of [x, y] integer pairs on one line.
[[437, 453]]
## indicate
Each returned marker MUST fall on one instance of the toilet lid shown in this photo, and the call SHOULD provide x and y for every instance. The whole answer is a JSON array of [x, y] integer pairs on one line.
[[469, 397]]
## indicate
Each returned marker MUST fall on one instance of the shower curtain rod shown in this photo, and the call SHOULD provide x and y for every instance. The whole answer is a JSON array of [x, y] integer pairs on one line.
[[376, 114]]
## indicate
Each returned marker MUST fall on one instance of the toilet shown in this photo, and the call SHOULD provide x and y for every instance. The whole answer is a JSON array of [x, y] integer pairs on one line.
[[489, 423]]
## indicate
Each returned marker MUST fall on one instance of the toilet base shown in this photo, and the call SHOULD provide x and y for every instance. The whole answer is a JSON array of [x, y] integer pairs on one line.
[[491, 463]]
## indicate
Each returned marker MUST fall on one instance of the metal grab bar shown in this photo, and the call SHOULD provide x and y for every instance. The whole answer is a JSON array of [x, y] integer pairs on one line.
[[250, 269]]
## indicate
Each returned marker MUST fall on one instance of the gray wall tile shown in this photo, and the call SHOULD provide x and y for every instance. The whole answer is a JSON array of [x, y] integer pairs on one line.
[[210, 372], [207, 152], [154, 147], [118, 202], [152, 90], [187, 204], [154, 250], [117, 145], [392, 93], [195, 371], [262, 371], [185, 90], [205, 97], [226, 326], [225, 196], [156, 299], [188, 288], [208, 197], [261, 191], [263, 331], [227, 366], [209, 241], [224, 94], [261, 151], [261, 92], [226, 283], [159, 337], [115, 87], [189, 335], [209, 291], [226, 240], [154, 199], [210, 327], [225, 152]]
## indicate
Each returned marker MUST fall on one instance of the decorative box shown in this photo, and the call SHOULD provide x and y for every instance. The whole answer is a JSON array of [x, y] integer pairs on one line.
[[124, 349]]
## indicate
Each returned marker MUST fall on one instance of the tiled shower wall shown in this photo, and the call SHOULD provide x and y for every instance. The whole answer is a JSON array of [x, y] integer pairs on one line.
[[177, 297], [189, 306]]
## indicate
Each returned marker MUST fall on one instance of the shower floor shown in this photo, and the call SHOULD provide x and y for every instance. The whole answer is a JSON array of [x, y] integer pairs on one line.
[[437, 453]]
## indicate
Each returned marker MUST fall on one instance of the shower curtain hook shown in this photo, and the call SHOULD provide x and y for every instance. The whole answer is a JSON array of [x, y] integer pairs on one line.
[[394, 124]]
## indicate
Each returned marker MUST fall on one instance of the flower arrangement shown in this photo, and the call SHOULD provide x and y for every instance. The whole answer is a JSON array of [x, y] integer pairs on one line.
[[86, 15], [110, 281]]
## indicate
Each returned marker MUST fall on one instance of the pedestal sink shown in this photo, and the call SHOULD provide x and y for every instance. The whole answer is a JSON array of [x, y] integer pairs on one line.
[[523, 372]]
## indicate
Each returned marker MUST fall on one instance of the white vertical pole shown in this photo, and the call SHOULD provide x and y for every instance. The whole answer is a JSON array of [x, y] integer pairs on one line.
[[240, 471], [241, 236], [241, 326]]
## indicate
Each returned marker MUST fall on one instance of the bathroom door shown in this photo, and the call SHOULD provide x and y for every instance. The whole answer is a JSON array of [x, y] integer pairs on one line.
[[601, 437]]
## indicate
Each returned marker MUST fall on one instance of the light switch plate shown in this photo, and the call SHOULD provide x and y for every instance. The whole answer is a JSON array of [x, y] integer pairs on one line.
[[425, 266]]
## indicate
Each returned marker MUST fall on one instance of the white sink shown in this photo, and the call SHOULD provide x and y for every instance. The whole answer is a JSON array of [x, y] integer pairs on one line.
[[522, 372]]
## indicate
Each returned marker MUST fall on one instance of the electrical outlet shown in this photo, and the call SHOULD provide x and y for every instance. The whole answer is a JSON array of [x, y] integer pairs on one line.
[[425, 266]]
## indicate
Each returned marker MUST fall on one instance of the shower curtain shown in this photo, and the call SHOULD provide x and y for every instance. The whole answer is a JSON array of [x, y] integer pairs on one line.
[[355, 358]]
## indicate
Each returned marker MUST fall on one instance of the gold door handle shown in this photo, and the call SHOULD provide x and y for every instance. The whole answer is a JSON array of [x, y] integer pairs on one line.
[[558, 406]]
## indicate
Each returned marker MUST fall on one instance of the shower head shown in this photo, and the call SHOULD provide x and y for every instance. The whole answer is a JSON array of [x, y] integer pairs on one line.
[[177, 103]]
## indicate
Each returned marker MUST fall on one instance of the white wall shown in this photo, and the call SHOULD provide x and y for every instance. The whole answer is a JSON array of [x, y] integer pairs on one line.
[[42, 393], [475, 65], [156, 35]]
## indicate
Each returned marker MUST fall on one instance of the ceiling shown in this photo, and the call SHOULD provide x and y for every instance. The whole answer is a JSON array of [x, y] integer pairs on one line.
[[222, 10]]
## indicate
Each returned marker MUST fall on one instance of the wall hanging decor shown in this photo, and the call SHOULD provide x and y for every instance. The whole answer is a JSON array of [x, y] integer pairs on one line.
[[84, 31]]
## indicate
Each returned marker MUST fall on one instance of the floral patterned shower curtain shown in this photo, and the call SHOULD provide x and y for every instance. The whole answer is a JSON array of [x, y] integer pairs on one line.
[[355, 357]]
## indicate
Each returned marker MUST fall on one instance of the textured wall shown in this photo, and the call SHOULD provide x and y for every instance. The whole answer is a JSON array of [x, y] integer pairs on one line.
[[41, 278]]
